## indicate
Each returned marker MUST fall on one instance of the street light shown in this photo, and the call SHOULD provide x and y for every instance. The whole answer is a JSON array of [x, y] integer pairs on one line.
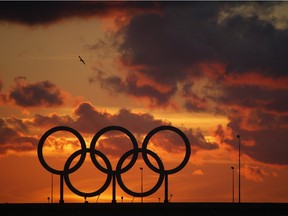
[[239, 144], [52, 187], [141, 170], [232, 167]]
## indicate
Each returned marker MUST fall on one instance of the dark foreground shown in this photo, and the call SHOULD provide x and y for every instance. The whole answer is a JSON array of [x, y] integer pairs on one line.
[[149, 209]]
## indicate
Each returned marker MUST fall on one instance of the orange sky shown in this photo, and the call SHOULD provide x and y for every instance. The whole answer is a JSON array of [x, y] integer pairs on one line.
[[213, 70]]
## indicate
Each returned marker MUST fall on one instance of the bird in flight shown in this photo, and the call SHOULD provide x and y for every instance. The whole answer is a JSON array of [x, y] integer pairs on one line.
[[81, 60]]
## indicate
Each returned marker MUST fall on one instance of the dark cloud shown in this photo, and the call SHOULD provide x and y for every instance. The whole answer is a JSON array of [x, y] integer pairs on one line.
[[48, 12], [256, 45], [52, 120], [114, 145], [193, 102], [6, 132], [14, 133], [130, 86], [88, 120], [198, 140], [17, 124], [263, 136], [139, 122], [169, 48], [254, 97], [11, 139], [43, 93], [167, 45]]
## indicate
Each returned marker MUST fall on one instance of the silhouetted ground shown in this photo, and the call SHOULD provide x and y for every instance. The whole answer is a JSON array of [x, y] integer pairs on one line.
[[147, 209]]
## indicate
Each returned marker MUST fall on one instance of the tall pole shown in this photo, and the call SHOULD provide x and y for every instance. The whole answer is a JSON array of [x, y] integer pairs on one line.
[[61, 188], [239, 144], [166, 188], [113, 188], [141, 170], [52, 188], [232, 167]]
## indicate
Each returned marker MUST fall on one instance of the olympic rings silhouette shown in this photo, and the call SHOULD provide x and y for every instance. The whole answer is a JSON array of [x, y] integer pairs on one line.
[[112, 175]]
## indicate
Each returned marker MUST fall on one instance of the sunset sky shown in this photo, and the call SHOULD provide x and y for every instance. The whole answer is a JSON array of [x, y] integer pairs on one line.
[[211, 69]]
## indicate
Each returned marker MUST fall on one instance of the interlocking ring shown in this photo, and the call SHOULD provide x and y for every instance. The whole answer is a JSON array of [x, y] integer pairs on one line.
[[113, 174], [40, 150], [181, 134], [67, 179], [105, 130], [145, 193]]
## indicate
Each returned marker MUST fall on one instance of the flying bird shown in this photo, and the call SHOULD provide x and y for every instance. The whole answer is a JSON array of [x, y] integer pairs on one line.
[[81, 60]]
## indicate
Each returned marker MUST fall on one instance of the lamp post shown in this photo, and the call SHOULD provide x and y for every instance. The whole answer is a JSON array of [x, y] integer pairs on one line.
[[239, 144], [52, 188], [232, 167], [141, 170]]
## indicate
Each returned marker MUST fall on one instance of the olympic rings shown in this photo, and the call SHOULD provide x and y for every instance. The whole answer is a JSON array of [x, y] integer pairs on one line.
[[113, 174]]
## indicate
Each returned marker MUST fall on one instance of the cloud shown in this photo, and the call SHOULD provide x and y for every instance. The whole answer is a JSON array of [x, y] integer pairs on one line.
[[43, 93], [51, 120], [11, 139], [263, 136], [252, 96], [115, 145], [43, 13], [166, 45], [88, 121], [198, 172], [130, 86], [254, 173], [193, 102], [175, 47]]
